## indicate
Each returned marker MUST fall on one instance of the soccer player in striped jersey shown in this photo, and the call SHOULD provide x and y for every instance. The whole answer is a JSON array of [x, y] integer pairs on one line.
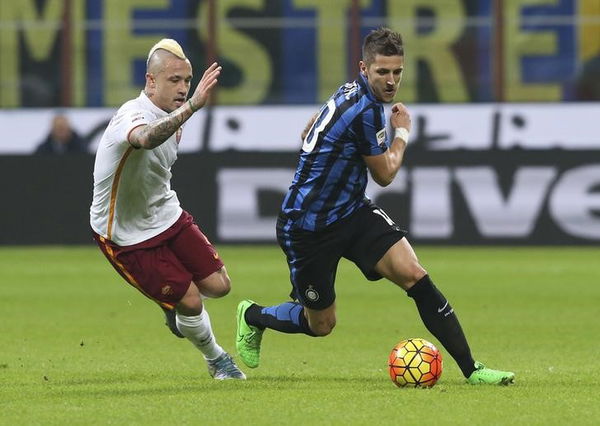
[[326, 216], [136, 217]]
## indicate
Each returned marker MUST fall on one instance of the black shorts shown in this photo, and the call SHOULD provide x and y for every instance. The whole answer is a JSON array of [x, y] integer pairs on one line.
[[363, 237]]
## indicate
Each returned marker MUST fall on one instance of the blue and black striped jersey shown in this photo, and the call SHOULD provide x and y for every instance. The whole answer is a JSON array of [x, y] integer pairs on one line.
[[331, 177]]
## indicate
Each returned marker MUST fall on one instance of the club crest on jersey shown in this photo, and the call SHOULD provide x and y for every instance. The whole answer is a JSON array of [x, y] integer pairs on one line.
[[311, 294], [381, 137]]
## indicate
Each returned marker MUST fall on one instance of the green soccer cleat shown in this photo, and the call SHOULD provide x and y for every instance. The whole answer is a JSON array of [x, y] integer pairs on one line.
[[224, 368], [487, 376], [248, 337]]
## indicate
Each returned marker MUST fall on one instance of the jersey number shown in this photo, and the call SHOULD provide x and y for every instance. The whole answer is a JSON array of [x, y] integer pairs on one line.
[[313, 135]]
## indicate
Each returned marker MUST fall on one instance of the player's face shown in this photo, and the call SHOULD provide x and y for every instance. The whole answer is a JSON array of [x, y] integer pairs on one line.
[[384, 75], [170, 86]]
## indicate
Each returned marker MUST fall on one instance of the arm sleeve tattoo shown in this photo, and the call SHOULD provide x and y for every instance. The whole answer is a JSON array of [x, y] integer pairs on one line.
[[158, 131]]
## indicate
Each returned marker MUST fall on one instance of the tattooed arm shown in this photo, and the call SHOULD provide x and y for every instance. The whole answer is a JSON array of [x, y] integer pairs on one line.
[[153, 134]]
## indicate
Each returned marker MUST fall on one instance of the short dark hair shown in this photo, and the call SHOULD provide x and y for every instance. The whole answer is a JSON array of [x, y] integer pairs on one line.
[[382, 41]]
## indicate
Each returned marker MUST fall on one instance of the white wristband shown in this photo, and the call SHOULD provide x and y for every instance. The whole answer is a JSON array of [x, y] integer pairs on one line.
[[401, 133]]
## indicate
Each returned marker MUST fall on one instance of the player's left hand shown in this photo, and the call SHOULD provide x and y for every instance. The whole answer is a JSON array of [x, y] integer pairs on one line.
[[207, 82]]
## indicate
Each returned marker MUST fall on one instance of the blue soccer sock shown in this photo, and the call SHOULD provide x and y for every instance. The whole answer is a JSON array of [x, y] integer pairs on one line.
[[287, 317]]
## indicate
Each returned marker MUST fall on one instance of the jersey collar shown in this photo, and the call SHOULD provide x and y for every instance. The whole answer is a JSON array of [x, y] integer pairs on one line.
[[362, 81]]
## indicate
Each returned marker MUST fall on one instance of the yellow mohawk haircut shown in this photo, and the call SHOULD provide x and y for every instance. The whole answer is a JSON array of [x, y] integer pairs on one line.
[[169, 45]]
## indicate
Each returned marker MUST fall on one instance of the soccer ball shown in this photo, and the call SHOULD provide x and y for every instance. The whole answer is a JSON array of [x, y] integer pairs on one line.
[[415, 363]]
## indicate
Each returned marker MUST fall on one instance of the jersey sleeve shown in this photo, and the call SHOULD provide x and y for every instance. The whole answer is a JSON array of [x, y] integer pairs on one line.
[[370, 131], [128, 119]]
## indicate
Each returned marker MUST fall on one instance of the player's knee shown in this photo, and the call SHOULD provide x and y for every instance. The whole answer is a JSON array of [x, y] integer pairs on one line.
[[216, 285], [225, 285], [414, 273], [323, 328], [221, 287], [190, 305]]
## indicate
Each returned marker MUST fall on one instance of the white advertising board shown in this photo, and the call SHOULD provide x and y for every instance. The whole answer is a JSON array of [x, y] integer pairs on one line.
[[277, 128]]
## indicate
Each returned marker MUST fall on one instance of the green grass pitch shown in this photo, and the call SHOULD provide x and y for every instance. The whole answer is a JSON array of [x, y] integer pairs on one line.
[[79, 346]]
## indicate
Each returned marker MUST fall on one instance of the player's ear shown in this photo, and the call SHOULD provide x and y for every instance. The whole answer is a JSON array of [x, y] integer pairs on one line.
[[363, 68], [150, 80]]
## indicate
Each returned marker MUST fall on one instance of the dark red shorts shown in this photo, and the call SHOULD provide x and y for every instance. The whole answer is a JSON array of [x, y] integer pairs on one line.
[[163, 267]]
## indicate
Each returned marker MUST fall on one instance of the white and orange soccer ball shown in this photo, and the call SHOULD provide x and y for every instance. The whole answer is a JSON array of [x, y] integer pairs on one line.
[[415, 363]]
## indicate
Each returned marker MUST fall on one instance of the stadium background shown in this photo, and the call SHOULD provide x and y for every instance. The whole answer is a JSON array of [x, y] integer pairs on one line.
[[504, 95]]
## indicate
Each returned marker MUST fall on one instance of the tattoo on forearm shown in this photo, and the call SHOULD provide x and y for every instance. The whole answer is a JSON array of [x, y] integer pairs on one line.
[[160, 130]]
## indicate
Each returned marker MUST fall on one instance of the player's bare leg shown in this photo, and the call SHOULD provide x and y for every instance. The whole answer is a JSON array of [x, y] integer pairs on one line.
[[321, 322], [215, 285]]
